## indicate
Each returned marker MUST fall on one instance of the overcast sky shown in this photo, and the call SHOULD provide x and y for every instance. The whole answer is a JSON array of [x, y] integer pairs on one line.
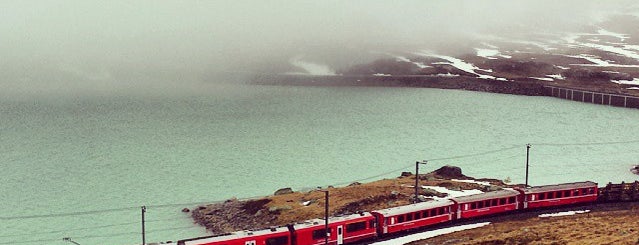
[[99, 42]]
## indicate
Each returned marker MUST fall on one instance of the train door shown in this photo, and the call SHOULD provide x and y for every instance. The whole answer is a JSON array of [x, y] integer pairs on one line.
[[340, 235], [250, 243]]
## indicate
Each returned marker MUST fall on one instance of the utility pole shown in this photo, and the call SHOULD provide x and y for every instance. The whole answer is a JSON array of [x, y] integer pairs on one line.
[[417, 179], [527, 156], [143, 233], [326, 230]]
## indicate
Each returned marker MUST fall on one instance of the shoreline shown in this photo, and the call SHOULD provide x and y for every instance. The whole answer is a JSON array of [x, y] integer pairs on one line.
[[604, 94]]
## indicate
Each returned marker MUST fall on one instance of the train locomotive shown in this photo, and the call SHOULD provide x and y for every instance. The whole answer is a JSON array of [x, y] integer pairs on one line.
[[379, 223]]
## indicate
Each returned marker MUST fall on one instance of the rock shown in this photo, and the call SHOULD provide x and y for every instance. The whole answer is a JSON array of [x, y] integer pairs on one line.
[[394, 194], [355, 184], [233, 199], [277, 209], [186, 210], [450, 172], [283, 191], [431, 192], [406, 174]]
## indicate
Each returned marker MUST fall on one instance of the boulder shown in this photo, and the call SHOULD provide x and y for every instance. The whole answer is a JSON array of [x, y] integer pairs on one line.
[[406, 174], [186, 210], [283, 191], [355, 184], [450, 172]]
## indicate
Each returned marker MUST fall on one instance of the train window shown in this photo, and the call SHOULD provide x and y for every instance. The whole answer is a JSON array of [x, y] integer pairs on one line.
[[550, 195], [371, 224], [445, 209], [487, 203], [353, 227], [319, 234], [472, 206], [542, 196], [400, 219], [591, 190], [280, 240], [566, 193], [480, 204], [584, 191], [425, 213], [392, 221], [559, 194], [511, 200], [494, 202], [502, 201], [433, 212], [418, 215], [409, 217], [575, 192]]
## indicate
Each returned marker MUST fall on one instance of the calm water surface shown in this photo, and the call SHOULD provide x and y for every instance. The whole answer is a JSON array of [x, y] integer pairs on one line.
[[105, 156]]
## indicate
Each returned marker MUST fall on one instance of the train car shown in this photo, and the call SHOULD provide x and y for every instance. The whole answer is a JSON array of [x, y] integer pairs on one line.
[[485, 203], [412, 216], [273, 236], [344, 229], [557, 195]]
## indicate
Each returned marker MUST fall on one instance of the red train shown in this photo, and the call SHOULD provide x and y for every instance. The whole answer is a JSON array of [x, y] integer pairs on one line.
[[378, 223]]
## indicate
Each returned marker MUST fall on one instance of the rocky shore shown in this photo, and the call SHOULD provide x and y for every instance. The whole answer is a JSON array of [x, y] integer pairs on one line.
[[293, 206]]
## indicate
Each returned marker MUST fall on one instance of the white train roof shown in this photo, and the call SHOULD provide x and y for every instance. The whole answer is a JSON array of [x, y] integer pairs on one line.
[[414, 207], [558, 187], [486, 195], [237, 235], [320, 222]]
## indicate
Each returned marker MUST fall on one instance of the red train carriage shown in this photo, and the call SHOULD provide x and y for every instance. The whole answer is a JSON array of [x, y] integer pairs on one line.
[[345, 229], [485, 203], [561, 194], [273, 236], [412, 216]]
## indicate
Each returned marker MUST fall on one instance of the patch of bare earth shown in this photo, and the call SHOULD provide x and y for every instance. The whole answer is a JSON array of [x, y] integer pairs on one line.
[[598, 227]]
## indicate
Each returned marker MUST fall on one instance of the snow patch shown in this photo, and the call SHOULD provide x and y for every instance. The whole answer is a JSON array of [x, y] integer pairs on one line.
[[543, 78], [462, 65], [556, 76], [487, 53], [429, 234], [447, 75], [400, 58], [563, 67], [613, 49], [567, 213], [627, 82], [621, 36], [484, 183], [634, 88], [452, 193], [381, 75], [312, 68]]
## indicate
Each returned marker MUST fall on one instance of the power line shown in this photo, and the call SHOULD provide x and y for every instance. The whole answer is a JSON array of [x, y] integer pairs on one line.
[[67, 214], [77, 229], [474, 154], [587, 143]]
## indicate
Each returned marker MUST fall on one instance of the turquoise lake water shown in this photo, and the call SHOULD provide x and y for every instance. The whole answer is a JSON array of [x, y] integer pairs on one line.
[[81, 166]]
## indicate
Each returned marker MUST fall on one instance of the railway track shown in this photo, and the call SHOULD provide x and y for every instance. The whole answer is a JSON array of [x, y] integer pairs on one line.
[[613, 197]]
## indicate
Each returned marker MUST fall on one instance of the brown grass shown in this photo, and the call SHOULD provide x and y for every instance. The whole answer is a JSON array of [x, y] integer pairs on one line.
[[599, 227]]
